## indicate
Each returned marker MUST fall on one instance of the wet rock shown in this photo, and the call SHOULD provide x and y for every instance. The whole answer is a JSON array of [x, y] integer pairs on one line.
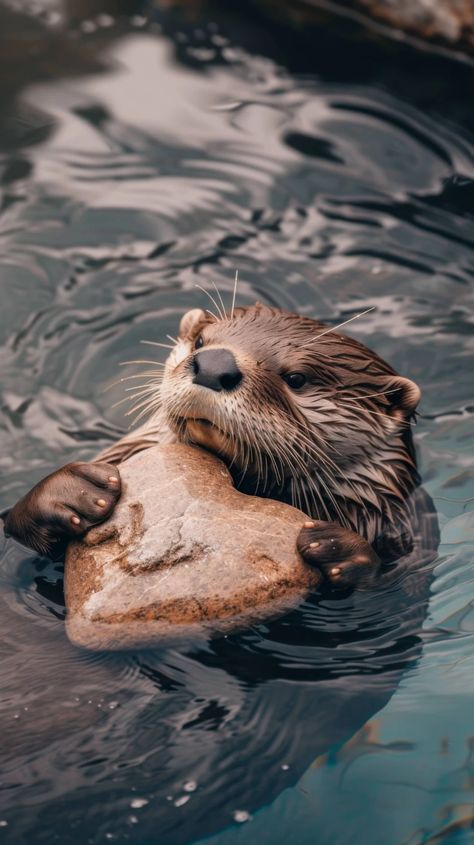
[[184, 554]]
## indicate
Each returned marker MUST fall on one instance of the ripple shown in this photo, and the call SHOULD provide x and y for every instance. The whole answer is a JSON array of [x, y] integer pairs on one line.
[[158, 163]]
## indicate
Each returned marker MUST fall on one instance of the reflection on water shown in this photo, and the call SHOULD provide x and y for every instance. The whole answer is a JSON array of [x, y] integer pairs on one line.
[[141, 156]]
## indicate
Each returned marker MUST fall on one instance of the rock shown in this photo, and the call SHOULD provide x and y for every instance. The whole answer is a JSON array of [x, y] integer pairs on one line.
[[184, 555]]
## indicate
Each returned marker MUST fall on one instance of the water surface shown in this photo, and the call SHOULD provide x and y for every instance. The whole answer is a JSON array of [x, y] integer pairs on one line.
[[141, 156]]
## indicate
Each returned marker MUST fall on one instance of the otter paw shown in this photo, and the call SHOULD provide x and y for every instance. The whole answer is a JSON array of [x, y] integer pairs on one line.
[[65, 505], [344, 557]]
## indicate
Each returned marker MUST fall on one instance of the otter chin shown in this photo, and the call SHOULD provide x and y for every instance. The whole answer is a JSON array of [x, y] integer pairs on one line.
[[203, 432], [299, 411]]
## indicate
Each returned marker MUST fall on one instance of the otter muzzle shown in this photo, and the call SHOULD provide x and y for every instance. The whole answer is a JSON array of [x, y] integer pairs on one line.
[[216, 369]]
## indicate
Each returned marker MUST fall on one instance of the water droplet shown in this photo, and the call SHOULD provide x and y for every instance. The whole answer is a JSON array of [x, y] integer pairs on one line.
[[3, 823], [113, 705], [139, 802], [183, 799], [285, 767], [241, 816], [230, 106], [133, 820], [190, 786], [219, 41], [105, 20], [88, 26], [138, 20], [53, 18]]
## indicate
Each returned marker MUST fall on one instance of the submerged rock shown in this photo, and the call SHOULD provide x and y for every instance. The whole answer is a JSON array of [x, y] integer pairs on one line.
[[184, 554]]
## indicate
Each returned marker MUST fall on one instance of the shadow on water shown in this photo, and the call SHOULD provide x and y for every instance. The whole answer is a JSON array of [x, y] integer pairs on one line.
[[141, 153]]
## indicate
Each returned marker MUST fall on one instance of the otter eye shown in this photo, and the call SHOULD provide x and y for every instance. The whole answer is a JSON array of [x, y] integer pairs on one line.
[[295, 380], [198, 342]]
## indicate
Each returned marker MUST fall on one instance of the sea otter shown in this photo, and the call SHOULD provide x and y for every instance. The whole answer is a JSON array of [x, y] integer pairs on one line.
[[299, 411]]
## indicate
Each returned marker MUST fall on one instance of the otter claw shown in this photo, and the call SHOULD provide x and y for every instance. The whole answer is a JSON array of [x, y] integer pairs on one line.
[[344, 557], [64, 505]]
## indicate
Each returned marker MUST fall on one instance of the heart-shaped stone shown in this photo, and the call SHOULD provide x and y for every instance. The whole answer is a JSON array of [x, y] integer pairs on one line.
[[184, 554]]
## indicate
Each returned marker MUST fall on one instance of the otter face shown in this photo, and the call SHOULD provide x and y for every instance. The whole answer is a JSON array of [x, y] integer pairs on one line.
[[290, 404]]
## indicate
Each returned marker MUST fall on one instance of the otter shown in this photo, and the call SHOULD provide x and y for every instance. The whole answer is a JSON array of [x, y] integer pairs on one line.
[[299, 411]]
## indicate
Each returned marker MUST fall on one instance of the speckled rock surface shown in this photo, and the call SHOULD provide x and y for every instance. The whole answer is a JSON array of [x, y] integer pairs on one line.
[[183, 555]]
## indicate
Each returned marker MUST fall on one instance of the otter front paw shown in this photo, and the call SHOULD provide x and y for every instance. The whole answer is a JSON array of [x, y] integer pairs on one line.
[[64, 505], [344, 557]]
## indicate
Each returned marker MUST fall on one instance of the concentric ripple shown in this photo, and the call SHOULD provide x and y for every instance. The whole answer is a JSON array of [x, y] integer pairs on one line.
[[136, 166]]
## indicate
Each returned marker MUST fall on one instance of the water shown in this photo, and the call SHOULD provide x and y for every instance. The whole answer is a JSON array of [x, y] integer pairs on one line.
[[141, 156]]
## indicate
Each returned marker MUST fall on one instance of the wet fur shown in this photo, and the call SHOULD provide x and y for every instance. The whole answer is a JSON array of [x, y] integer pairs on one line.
[[341, 449]]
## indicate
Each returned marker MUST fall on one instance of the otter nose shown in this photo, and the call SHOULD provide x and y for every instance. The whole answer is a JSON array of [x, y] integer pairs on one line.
[[216, 369]]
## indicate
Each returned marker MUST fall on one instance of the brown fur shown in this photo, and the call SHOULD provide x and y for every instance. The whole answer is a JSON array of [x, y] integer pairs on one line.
[[340, 448]]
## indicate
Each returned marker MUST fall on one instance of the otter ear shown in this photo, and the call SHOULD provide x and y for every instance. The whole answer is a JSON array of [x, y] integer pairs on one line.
[[403, 395], [190, 320]]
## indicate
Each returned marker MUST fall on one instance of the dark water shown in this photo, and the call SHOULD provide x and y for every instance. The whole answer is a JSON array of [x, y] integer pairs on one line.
[[142, 156]]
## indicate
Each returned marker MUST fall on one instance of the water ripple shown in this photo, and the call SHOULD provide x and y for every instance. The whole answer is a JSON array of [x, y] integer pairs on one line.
[[157, 164]]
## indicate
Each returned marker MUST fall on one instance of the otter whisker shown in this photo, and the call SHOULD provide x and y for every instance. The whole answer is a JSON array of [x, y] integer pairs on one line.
[[279, 473], [370, 395], [323, 462], [157, 343], [150, 391], [150, 388], [223, 312], [127, 378], [288, 451], [234, 293], [216, 306], [350, 404], [330, 464], [141, 361], [260, 461], [310, 481], [173, 339], [130, 398], [157, 373], [135, 407], [302, 489], [121, 402], [238, 441], [340, 325], [147, 406]]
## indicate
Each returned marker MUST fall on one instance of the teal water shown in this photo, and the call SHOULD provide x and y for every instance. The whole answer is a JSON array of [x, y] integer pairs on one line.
[[143, 154]]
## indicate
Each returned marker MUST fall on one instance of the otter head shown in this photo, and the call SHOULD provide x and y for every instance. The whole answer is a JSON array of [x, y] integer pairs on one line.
[[298, 411]]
